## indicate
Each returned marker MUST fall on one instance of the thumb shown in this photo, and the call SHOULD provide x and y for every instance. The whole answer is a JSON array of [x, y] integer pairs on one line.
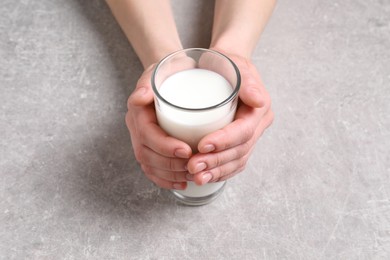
[[143, 93], [250, 92]]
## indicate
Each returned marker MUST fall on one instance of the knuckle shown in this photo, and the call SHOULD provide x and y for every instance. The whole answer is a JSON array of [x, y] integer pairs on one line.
[[240, 169], [141, 136], [217, 174], [249, 146], [247, 134], [246, 157], [218, 160], [271, 117], [243, 150], [139, 155], [153, 178], [171, 164], [147, 170], [129, 103], [269, 100], [128, 119], [150, 177], [176, 177], [242, 164], [223, 135]]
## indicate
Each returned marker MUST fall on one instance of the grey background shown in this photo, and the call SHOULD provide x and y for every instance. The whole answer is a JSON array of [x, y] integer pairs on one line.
[[316, 187]]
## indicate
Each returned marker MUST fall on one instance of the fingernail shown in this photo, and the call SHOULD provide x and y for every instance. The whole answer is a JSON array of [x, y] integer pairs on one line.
[[200, 167], [206, 178], [178, 186], [208, 148], [189, 177], [181, 153]]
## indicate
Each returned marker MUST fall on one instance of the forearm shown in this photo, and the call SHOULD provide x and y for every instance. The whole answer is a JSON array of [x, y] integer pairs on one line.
[[238, 24], [149, 26]]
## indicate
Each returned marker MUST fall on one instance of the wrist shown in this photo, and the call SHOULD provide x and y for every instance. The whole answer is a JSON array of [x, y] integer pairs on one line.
[[231, 53], [152, 56], [232, 47]]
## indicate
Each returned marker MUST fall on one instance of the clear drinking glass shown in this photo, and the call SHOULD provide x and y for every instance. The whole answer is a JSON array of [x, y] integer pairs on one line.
[[196, 92]]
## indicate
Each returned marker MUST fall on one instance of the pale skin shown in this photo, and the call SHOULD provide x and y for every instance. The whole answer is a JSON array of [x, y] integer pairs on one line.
[[169, 162]]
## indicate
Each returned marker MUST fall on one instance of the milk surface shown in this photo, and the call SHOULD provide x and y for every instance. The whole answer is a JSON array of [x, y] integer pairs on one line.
[[195, 88]]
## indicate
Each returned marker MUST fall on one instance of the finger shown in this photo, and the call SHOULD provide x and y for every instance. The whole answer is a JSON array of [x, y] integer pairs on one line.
[[148, 157], [252, 91], [231, 175], [152, 136], [165, 175], [239, 131], [201, 162], [160, 142], [227, 162], [265, 123], [217, 173], [166, 184], [143, 93]]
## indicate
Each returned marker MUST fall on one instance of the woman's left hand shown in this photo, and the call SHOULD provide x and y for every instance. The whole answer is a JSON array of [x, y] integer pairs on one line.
[[224, 153]]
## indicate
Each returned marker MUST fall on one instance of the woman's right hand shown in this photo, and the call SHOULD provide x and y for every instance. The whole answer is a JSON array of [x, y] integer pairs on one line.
[[163, 158]]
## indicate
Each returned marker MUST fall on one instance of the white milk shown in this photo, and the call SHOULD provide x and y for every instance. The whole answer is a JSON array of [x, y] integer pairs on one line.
[[194, 190], [195, 88]]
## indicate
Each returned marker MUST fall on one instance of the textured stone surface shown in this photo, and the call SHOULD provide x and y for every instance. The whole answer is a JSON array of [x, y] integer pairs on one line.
[[316, 187]]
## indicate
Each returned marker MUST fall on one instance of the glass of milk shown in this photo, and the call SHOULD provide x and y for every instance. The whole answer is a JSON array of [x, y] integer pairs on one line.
[[196, 92]]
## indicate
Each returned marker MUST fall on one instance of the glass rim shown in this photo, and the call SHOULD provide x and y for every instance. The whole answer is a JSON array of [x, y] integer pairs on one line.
[[220, 104]]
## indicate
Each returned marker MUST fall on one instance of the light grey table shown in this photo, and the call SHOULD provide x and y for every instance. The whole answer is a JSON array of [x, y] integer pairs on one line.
[[316, 187]]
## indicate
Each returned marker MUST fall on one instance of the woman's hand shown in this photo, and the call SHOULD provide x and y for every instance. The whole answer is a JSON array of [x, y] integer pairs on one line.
[[224, 153], [163, 159]]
